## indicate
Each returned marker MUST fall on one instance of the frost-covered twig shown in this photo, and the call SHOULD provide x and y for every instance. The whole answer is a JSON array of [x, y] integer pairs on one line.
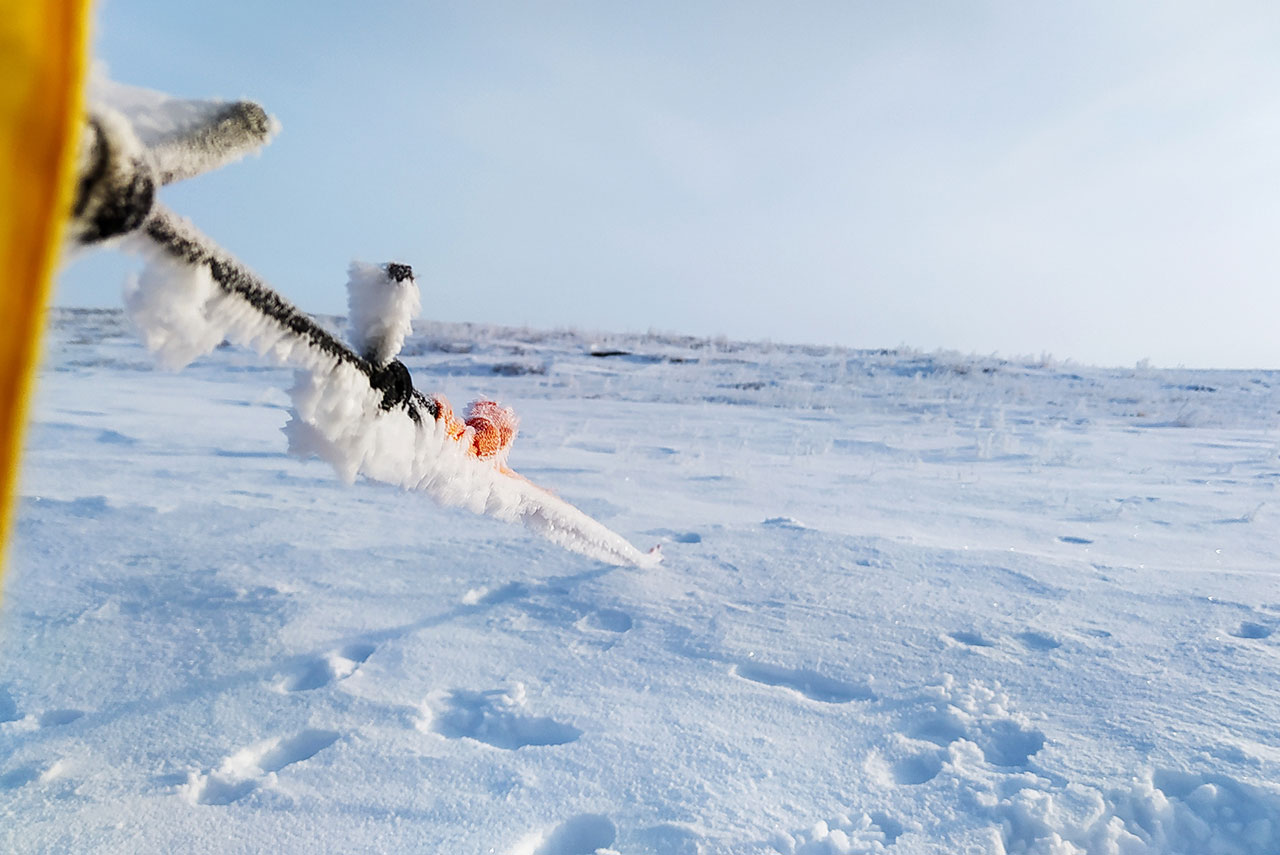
[[228, 133]]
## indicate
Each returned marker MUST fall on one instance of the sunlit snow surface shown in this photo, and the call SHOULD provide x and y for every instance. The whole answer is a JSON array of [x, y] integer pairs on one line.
[[911, 603]]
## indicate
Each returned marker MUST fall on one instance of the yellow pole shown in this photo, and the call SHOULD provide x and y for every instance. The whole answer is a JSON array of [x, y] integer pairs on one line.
[[43, 56]]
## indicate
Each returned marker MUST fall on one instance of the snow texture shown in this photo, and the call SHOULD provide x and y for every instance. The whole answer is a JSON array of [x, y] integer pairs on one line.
[[912, 603]]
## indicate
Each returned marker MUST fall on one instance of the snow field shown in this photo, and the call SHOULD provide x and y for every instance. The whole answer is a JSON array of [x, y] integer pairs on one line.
[[911, 603]]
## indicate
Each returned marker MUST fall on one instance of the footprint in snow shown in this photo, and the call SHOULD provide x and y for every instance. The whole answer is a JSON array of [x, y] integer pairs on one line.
[[495, 718], [904, 762], [889, 827], [971, 639], [675, 536], [942, 727], [810, 684], [608, 620], [246, 770], [1038, 640], [57, 718], [1252, 630], [337, 665], [916, 769], [1005, 742], [977, 715], [19, 777], [584, 834]]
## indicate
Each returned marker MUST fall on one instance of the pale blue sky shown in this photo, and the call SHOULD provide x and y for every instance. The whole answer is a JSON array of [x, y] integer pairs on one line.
[[1095, 180]]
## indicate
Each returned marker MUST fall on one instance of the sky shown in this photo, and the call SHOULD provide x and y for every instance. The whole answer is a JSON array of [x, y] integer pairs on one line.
[[1094, 181]]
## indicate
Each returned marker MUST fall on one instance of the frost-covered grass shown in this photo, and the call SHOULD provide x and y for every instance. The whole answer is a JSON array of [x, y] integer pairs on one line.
[[911, 603]]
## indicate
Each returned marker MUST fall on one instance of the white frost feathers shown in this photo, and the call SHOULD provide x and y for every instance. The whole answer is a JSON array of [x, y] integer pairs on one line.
[[172, 307], [381, 309], [182, 314]]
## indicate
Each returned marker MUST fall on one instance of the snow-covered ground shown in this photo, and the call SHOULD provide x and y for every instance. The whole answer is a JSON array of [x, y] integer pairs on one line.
[[910, 603]]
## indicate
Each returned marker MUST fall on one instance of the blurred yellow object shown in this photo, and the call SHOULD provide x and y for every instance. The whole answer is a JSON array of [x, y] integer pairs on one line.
[[43, 59]]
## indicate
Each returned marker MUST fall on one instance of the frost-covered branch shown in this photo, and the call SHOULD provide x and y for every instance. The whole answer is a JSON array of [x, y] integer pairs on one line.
[[353, 406]]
